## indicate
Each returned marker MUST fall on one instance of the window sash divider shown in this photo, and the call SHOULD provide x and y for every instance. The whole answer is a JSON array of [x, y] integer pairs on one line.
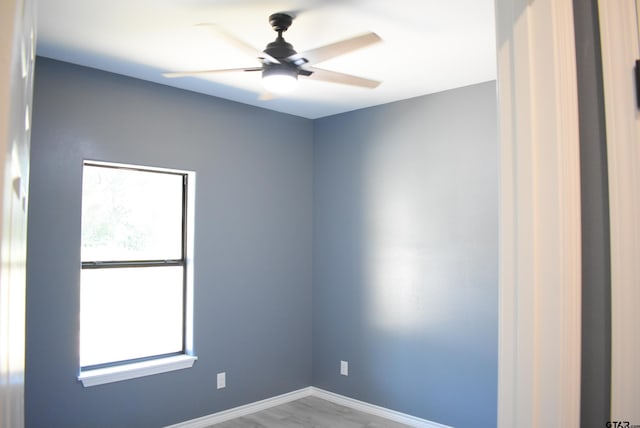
[[132, 263]]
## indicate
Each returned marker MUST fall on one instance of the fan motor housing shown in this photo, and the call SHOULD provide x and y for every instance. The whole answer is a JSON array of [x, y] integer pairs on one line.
[[280, 49]]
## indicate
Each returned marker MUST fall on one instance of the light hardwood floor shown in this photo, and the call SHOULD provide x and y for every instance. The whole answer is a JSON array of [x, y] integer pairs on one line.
[[310, 412]]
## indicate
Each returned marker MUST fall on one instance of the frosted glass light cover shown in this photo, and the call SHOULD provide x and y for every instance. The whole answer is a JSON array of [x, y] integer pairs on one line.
[[279, 83]]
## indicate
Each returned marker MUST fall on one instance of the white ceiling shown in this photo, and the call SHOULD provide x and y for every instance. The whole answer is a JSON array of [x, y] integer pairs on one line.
[[428, 45]]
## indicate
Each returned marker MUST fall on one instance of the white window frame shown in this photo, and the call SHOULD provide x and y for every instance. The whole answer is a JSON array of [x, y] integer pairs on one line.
[[155, 365]]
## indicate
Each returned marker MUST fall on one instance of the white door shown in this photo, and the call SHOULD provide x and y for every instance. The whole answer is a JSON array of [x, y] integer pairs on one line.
[[17, 55], [620, 37]]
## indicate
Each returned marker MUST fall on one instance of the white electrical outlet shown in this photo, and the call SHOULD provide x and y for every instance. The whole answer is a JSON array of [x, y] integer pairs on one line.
[[344, 368], [222, 380]]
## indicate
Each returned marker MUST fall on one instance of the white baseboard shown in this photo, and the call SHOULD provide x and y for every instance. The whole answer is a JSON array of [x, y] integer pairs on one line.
[[248, 409]]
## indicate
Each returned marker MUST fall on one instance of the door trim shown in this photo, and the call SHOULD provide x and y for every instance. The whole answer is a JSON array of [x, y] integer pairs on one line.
[[540, 236]]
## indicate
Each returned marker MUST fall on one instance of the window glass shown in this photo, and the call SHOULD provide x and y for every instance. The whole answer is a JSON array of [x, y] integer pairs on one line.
[[129, 313], [134, 268], [130, 214]]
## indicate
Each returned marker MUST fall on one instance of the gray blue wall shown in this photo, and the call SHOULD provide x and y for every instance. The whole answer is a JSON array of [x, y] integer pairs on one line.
[[406, 256], [369, 237], [252, 245]]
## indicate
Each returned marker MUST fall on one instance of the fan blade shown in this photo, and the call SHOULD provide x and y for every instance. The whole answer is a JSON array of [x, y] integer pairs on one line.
[[333, 50], [345, 79], [240, 44], [203, 72]]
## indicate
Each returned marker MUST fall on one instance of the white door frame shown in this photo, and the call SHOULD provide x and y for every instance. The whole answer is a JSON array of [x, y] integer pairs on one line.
[[540, 237], [17, 54], [620, 36]]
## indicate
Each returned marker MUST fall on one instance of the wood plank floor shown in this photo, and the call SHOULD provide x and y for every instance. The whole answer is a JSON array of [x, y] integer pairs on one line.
[[310, 412]]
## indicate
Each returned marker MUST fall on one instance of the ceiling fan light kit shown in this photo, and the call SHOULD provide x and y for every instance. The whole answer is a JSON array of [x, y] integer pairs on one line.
[[281, 64], [279, 79]]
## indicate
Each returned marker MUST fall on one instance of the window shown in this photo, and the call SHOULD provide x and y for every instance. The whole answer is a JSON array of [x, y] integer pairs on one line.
[[136, 269]]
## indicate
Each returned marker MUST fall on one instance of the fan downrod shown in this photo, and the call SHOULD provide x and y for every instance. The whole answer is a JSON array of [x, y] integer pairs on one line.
[[280, 22]]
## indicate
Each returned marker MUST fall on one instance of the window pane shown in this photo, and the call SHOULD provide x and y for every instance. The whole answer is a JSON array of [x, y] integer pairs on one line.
[[129, 313], [131, 215]]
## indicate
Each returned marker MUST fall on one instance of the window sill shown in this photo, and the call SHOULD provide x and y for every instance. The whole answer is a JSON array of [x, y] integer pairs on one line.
[[134, 370]]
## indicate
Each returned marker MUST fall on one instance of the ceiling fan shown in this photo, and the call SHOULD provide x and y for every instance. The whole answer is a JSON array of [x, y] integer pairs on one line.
[[282, 65]]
